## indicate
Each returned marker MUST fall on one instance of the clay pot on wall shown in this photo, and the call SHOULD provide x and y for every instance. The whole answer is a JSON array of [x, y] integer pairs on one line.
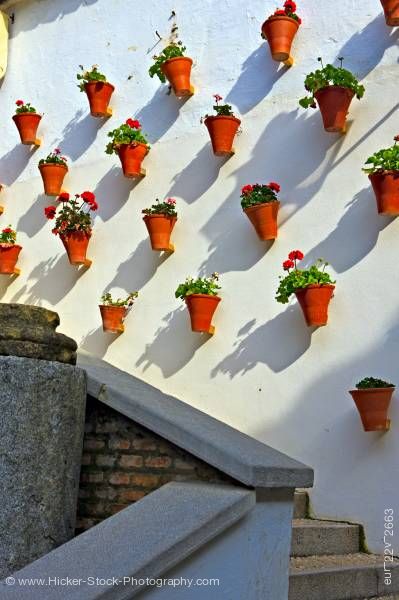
[[8, 258], [27, 124], [178, 71], [222, 130], [314, 301], [99, 95], [280, 31], [202, 307], [386, 189], [113, 317], [160, 228], [264, 218], [131, 157], [391, 10], [76, 243], [53, 177], [334, 102], [373, 405]]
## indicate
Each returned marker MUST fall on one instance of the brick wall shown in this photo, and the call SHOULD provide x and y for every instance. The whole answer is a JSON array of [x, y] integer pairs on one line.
[[122, 462]]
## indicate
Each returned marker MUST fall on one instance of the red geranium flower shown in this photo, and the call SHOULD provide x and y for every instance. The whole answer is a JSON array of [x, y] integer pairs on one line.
[[274, 186], [88, 197], [93, 205], [63, 197], [280, 13], [217, 97], [57, 151], [288, 264], [50, 211], [296, 255], [133, 123], [247, 189], [19, 103], [290, 6], [396, 138], [171, 201]]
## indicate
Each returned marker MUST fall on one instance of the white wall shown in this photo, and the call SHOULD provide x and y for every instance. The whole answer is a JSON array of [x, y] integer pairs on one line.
[[264, 371]]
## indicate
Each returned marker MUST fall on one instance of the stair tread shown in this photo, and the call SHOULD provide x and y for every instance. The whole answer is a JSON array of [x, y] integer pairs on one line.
[[324, 563], [325, 524]]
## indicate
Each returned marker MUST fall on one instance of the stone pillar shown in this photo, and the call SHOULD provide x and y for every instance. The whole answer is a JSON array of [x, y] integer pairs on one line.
[[42, 412]]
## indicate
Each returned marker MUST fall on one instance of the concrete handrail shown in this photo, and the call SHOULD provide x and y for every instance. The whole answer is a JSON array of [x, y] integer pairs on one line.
[[232, 452], [142, 541]]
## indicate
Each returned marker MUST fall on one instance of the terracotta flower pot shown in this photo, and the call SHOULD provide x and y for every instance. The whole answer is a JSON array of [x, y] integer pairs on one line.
[[113, 317], [53, 177], [177, 71], [391, 10], [334, 102], [386, 189], [373, 405], [222, 130], [280, 32], [314, 301], [202, 308], [8, 257], [99, 94], [76, 243], [27, 124], [264, 218], [160, 228], [131, 157]]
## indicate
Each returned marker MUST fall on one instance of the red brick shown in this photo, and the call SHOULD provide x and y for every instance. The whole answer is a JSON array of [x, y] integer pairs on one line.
[[107, 493], [145, 480], [144, 444], [105, 461], [119, 444], [158, 462], [131, 495], [129, 460], [86, 460], [92, 477], [119, 478], [107, 427], [182, 464], [117, 507], [93, 444]]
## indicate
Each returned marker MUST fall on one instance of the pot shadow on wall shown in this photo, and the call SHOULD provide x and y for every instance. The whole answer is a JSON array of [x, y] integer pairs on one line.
[[14, 163], [198, 176], [129, 277], [53, 279], [34, 219], [324, 428], [113, 191], [174, 333], [278, 343], [56, 9], [355, 235], [5, 283], [234, 245], [79, 134], [160, 113], [377, 37], [97, 341], [259, 73]]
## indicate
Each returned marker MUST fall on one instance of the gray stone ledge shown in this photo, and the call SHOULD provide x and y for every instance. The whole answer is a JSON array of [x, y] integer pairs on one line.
[[232, 452], [144, 540]]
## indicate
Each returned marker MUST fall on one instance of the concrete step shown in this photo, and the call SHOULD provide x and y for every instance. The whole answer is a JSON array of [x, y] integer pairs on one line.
[[311, 537], [341, 577], [301, 502]]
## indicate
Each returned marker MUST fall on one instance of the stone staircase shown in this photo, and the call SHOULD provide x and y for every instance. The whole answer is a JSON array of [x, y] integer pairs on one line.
[[327, 561]]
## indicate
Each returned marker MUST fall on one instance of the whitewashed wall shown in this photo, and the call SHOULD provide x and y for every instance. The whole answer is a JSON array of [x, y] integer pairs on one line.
[[264, 371]]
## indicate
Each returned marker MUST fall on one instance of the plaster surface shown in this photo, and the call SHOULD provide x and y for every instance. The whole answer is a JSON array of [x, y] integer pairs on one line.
[[264, 372]]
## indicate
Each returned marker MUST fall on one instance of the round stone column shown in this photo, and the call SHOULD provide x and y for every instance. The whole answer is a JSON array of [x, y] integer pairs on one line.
[[42, 413]]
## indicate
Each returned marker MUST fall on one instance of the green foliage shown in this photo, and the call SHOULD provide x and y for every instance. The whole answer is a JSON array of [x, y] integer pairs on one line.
[[24, 107], [167, 208], [371, 382], [202, 285], [8, 236], [221, 109], [258, 194], [89, 76], [386, 159], [107, 300], [326, 76], [173, 50], [299, 279], [54, 158], [125, 134]]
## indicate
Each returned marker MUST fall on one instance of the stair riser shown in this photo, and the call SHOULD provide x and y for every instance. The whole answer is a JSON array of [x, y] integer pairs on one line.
[[300, 505], [310, 541]]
